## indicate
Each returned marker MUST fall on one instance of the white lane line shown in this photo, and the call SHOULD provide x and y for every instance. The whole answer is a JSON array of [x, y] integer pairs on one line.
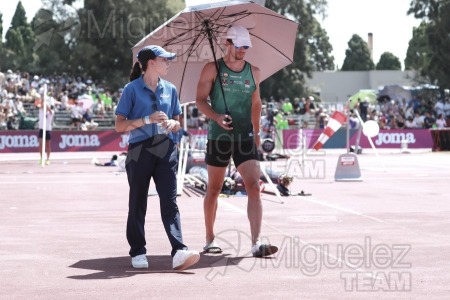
[[368, 177], [406, 229], [232, 207], [57, 182], [309, 199], [33, 176], [319, 249], [284, 233], [58, 175], [315, 219]]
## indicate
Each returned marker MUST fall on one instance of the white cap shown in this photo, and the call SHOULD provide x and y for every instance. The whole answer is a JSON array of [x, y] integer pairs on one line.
[[239, 35]]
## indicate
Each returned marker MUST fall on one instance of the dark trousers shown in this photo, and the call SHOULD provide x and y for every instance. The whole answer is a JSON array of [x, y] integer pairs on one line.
[[155, 157]]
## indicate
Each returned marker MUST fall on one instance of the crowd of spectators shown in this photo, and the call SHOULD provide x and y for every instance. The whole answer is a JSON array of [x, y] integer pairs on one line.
[[80, 98], [413, 114], [307, 112], [282, 114], [85, 102]]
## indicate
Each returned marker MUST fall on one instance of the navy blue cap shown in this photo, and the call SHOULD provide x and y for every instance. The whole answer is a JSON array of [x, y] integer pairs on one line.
[[152, 51]]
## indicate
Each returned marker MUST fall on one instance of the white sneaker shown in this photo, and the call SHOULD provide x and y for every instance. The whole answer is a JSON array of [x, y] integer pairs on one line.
[[139, 261], [184, 259]]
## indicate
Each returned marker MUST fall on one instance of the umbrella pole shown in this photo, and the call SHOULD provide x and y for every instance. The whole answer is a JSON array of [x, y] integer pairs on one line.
[[210, 39], [227, 111]]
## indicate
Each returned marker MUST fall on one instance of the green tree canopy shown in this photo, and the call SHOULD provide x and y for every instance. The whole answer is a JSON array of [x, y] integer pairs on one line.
[[20, 39], [56, 26], [109, 29], [432, 42], [20, 16], [388, 61], [312, 49], [15, 42], [1, 28], [357, 56], [2, 55], [418, 49], [321, 49]]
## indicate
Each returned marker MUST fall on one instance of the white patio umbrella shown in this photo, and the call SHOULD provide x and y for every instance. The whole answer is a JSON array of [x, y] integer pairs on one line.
[[197, 33]]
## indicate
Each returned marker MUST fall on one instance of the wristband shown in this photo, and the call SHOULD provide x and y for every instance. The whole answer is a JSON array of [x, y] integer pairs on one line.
[[147, 120]]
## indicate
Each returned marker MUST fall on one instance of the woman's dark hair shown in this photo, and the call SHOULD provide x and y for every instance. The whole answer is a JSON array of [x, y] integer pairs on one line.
[[136, 72], [141, 66]]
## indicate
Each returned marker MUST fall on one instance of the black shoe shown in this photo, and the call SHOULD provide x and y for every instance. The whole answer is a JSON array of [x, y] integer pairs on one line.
[[264, 250]]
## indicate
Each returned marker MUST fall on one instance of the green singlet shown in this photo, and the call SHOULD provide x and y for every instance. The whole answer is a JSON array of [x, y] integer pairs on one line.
[[238, 88]]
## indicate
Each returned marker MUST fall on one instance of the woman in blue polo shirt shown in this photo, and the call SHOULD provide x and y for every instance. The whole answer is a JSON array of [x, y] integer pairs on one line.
[[149, 109]]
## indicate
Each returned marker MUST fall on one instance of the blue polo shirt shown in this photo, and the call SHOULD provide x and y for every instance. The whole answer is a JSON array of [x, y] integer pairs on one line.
[[136, 102]]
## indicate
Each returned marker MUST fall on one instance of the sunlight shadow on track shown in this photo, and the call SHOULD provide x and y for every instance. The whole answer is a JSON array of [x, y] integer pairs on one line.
[[120, 267]]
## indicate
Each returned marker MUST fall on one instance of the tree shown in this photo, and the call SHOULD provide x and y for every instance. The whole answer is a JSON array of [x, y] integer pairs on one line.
[[436, 59], [1, 29], [418, 50], [56, 26], [109, 30], [388, 61], [357, 56], [320, 49], [20, 39], [2, 50], [418, 55], [311, 53]]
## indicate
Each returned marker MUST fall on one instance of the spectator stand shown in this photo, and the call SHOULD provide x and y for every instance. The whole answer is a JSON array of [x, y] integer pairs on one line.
[[19, 91]]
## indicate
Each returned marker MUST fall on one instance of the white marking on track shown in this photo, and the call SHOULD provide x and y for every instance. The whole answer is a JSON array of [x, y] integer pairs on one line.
[[309, 199], [241, 211]]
